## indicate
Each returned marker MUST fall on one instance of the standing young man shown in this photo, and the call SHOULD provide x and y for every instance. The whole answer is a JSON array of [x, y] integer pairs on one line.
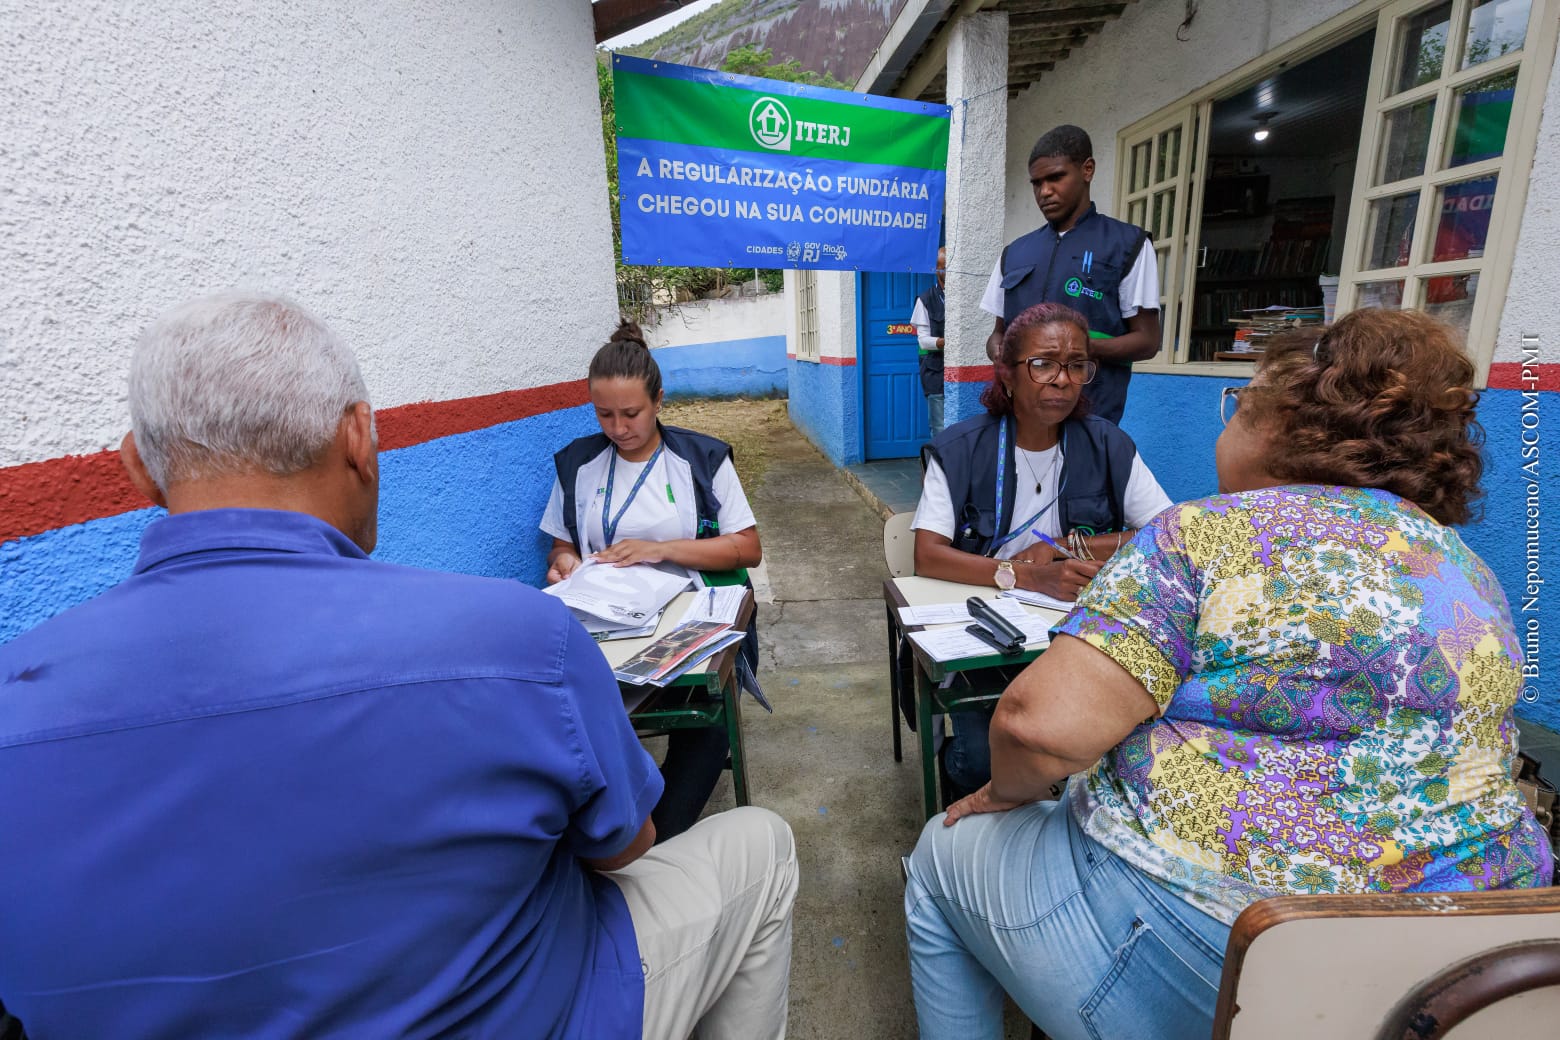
[[928, 321], [1102, 267]]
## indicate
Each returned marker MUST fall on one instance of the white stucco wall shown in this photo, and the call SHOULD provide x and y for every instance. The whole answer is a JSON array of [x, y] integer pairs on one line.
[[718, 321], [428, 177], [1531, 296]]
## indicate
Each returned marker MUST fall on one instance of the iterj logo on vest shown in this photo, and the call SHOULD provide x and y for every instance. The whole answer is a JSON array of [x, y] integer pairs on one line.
[[1076, 288], [770, 123]]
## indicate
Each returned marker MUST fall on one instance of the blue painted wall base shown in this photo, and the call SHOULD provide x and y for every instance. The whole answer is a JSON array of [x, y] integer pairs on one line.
[[753, 367], [826, 407]]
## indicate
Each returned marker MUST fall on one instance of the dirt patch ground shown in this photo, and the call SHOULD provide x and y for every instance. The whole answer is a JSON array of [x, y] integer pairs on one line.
[[751, 428]]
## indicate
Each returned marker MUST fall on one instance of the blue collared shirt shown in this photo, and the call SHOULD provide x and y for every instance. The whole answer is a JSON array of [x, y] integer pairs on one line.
[[269, 787]]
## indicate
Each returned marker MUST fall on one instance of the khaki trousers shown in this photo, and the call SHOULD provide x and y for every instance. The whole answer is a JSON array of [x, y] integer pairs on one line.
[[712, 913]]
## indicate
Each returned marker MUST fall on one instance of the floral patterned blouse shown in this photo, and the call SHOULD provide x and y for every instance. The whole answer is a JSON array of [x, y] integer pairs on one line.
[[1335, 672]]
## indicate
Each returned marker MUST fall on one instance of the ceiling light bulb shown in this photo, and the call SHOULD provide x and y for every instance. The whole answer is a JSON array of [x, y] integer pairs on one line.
[[1261, 134]]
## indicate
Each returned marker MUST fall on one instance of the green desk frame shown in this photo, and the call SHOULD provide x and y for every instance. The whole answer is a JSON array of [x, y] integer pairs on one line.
[[932, 702], [705, 698]]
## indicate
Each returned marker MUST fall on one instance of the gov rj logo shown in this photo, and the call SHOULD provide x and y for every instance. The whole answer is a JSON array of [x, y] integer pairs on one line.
[[769, 121]]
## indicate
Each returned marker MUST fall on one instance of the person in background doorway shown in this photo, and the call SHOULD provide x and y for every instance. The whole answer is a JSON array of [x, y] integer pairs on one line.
[[928, 321], [641, 492], [1102, 268]]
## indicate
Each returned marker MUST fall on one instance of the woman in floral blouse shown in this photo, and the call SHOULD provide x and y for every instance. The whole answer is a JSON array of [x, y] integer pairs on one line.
[[1301, 685]]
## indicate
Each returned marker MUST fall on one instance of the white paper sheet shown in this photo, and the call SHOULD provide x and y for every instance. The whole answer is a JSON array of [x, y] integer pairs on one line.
[[1039, 599], [716, 603], [957, 613], [953, 643], [630, 597]]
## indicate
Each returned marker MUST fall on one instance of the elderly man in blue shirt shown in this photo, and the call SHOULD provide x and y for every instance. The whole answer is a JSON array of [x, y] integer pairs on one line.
[[268, 787]]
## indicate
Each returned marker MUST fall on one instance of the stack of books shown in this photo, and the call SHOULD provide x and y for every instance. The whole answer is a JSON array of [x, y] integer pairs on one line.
[[1260, 324]]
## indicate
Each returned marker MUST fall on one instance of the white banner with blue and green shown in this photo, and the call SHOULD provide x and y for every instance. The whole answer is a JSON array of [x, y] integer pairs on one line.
[[720, 170]]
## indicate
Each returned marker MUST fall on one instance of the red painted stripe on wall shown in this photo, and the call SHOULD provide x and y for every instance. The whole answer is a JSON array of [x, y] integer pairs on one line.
[[1511, 375], [41, 496], [967, 374], [844, 361]]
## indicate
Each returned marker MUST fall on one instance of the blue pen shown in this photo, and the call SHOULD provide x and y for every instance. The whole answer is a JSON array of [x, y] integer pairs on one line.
[[712, 603], [1088, 261], [1048, 540]]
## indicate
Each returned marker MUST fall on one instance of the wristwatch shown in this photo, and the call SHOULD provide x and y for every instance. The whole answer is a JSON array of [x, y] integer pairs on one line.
[[1005, 578]]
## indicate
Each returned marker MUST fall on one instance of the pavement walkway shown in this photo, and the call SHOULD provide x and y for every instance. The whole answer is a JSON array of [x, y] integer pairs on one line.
[[824, 759]]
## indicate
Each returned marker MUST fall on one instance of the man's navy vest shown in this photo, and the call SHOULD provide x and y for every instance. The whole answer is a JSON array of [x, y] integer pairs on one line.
[[704, 455], [1096, 465], [1082, 269], [932, 360]]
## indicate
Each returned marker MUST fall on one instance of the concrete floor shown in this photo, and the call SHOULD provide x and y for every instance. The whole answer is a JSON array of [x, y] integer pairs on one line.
[[824, 759]]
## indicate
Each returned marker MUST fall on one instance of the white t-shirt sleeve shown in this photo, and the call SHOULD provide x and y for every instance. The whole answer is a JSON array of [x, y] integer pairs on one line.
[[923, 326], [552, 516], [935, 511], [1139, 290], [1145, 499], [735, 513], [993, 300]]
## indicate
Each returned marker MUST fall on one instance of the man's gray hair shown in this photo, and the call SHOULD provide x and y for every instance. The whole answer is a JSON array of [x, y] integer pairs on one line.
[[238, 382]]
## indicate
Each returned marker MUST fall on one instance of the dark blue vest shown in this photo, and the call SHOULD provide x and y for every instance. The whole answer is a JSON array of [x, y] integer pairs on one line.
[[1082, 269], [1096, 465], [932, 360], [704, 455]]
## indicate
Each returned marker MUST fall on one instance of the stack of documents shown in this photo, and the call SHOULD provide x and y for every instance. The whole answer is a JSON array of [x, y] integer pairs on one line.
[[950, 641], [676, 652], [618, 602]]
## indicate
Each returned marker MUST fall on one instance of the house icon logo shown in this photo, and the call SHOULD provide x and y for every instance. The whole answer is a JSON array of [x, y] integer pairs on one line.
[[770, 123]]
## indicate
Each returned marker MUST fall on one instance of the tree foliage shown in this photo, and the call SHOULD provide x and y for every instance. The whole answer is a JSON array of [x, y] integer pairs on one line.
[[642, 290]]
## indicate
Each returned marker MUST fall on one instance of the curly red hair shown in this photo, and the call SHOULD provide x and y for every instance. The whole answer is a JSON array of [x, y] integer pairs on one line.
[[1380, 399]]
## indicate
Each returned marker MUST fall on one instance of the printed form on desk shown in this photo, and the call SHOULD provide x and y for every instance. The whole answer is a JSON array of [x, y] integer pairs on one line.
[[717, 603], [958, 613], [618, 597], [952, 643]]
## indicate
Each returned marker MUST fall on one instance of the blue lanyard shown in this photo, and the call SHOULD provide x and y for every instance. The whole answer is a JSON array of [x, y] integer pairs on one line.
[[609, 526], [1023, 528]]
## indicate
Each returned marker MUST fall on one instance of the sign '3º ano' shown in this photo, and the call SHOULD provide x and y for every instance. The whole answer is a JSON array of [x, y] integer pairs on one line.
[[717, 170]]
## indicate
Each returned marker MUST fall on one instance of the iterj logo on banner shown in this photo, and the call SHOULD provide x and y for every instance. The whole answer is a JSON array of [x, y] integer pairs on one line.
[[770, 123]]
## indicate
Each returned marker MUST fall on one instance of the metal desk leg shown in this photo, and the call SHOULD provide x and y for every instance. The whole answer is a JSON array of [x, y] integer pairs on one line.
[[893, 686], [731, 693], [924, 693]]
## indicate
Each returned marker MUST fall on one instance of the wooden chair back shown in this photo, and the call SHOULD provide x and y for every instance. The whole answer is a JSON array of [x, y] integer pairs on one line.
[[1485, 964]]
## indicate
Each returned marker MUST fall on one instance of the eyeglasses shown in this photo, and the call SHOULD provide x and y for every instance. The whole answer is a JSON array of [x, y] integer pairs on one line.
[[1044, 370], [1229, 402]]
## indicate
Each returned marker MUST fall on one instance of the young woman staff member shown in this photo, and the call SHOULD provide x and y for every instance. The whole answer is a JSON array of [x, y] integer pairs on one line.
[[1036, 461], [640, 492]]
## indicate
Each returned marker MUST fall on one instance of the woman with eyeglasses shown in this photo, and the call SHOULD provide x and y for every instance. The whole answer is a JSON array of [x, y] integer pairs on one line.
[[1035, 494], [1302, 685]]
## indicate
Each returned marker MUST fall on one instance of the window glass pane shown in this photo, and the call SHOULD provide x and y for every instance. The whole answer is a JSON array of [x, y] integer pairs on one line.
[[1137, 213], [1482, 113], [1465, 219], [1159, 210], [1140, 166], [1421, 47], [1495, 27], [1165, 217], [1449, 298], [1381, 294], [1169, 154], [1405, 137], [1389, 230]]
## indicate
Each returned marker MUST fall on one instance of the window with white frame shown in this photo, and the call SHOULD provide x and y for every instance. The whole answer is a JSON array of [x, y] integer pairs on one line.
[[1450, 121], [808, 342]]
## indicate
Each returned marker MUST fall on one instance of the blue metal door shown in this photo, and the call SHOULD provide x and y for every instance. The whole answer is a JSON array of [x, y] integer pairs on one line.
[[893, 408]]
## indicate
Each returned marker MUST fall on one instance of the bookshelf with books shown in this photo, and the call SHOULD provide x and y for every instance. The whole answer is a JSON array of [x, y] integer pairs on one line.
[[1282, 271]]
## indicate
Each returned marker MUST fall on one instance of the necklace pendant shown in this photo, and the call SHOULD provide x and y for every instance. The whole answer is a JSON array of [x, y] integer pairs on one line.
[[1037, 487]]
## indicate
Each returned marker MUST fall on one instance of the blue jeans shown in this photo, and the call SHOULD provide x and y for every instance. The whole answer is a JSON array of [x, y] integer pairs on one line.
[[1086, 945], [967, 755], [934, 411]]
